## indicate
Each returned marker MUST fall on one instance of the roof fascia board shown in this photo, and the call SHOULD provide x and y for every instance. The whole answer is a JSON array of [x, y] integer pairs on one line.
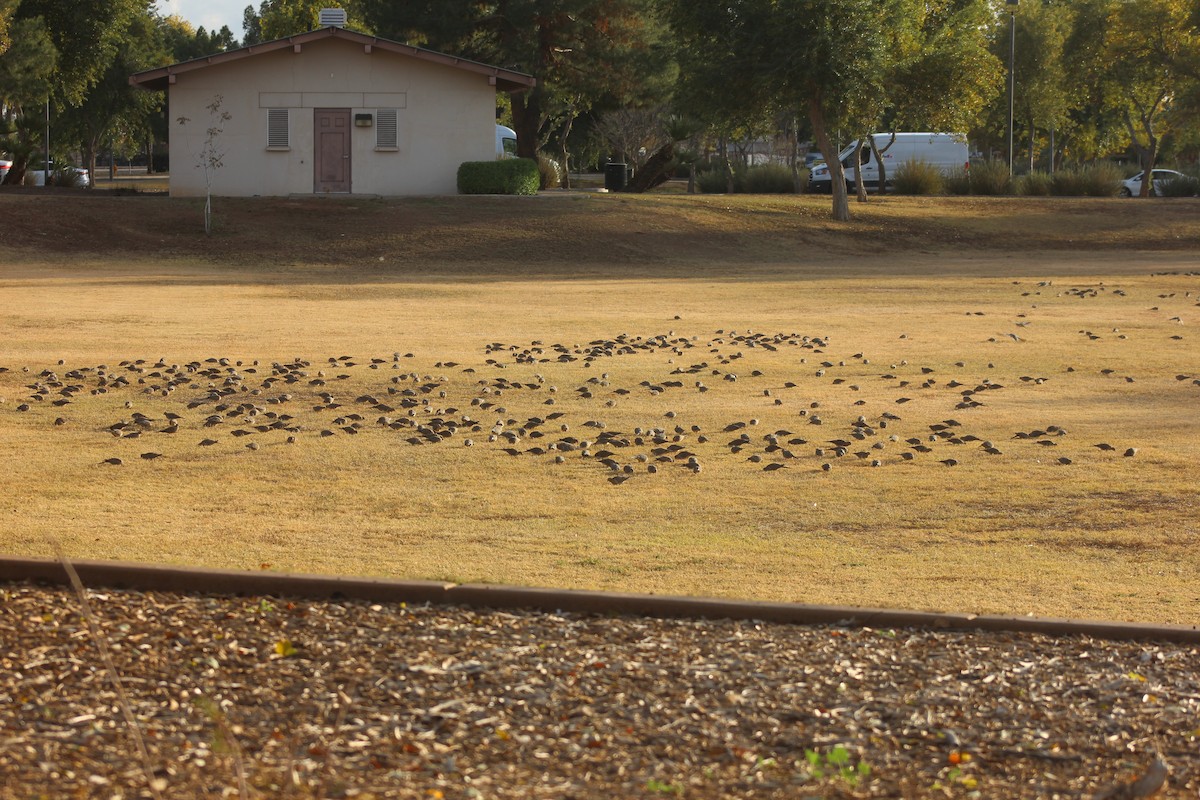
[[158, 79]]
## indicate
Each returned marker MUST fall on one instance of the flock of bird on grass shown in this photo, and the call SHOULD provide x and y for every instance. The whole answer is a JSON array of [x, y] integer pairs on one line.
[[219, 400]]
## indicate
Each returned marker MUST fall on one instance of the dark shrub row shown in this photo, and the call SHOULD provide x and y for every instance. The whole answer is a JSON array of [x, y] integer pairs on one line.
[[503, 176]]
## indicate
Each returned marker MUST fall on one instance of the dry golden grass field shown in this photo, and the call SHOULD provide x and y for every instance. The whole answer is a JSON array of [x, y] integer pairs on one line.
[[680, 395]]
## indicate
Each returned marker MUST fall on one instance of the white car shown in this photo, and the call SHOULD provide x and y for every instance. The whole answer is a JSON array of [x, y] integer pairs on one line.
[[39, 176], [1133, 186]]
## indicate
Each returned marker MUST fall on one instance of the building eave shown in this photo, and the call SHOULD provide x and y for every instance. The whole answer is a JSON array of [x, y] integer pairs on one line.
[[162, 78]]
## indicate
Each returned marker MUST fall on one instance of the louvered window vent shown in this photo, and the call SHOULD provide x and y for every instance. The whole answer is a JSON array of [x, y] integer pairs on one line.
[[277, 129], [332, 18], [385, 129]]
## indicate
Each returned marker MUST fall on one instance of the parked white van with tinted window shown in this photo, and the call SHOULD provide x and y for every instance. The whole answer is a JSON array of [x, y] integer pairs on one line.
[[945, 151], [506, 142]]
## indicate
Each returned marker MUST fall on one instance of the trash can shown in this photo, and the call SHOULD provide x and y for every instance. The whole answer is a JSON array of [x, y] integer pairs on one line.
[[616, 177]]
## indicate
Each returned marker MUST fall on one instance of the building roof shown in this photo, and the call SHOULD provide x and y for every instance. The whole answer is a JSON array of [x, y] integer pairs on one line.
[[161, 78]]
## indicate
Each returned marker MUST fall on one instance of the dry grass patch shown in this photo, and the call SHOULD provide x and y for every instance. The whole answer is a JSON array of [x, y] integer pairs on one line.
[[1101, 536]]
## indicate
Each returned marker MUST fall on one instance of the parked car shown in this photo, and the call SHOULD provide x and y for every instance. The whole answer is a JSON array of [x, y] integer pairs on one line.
[[812, 158], [4, 168], [944, 151], [1133, 186], [506, 142], [39, 175]]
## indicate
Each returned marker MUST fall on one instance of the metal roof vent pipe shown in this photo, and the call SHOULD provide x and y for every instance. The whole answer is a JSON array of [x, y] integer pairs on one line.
[[332, 18]]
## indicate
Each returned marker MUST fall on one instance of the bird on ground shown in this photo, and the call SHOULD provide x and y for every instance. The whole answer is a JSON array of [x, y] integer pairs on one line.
[[114, 461], [207, 442], [1131, 452], [151, 456]]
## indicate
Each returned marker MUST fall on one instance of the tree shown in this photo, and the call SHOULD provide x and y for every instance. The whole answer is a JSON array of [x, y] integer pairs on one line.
[[278, 19], [184, 42], [828, 57], [1093, 125], [251, 27], [1148, 43], [949, 75], [112, 104], [7, 9], [86, 34], [724, 91], [27, 72], [581, 51], [1042, 31], [211, 156]]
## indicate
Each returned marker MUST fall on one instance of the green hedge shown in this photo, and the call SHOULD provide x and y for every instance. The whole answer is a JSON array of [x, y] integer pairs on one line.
[[503, 176]]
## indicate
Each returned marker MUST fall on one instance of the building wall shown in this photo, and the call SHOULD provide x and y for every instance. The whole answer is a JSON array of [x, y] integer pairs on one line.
[[444, 116]]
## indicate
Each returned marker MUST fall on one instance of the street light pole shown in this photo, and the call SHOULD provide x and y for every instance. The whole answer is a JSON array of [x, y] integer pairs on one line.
[[46, 165], [1012, 83]]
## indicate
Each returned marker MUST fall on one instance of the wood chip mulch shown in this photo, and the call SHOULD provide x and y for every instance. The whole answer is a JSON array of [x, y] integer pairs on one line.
[[283, 698]]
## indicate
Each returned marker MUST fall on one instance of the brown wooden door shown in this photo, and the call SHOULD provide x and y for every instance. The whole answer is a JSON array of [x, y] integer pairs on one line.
[[331, 161]]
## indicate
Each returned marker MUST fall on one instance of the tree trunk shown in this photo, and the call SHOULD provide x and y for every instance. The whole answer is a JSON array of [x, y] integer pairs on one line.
[[860, 185], [692, 178], [526, 111], [16, 173], [566, 157], [89, 161], [837, 178], [794, 155], [21, 150], [725, 165], [1052, 149], [878, 155], [1150, 157], [1147, 154], [656, 171]]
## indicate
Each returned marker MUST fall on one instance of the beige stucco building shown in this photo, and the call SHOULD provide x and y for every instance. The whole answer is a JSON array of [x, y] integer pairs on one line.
[[330, 111]]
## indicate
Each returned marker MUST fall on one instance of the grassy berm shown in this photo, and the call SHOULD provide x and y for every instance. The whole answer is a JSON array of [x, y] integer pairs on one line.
[[982, 405]]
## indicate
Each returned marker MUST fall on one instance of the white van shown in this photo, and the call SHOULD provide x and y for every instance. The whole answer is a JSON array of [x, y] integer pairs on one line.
[[945, 151], [506, 142]]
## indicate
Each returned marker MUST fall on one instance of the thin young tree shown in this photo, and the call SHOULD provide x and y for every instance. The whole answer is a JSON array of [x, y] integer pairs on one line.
[[211, 156]]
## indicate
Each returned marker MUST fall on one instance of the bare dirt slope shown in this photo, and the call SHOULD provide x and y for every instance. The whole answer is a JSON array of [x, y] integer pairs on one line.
[[557, 233]]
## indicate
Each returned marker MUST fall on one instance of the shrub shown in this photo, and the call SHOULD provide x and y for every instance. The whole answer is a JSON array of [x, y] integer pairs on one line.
[[1102, 179], [763, 179], [1068, 182], [1095, 180], [550, 172], [958, 182], [505, 176], [990, 178], [918, 177], [1185, 186], [713, 182], [1035, 184], [66, 176], [767, 179]]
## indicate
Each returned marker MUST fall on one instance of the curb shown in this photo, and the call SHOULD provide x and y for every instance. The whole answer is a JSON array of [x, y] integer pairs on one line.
[[125, 575]]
